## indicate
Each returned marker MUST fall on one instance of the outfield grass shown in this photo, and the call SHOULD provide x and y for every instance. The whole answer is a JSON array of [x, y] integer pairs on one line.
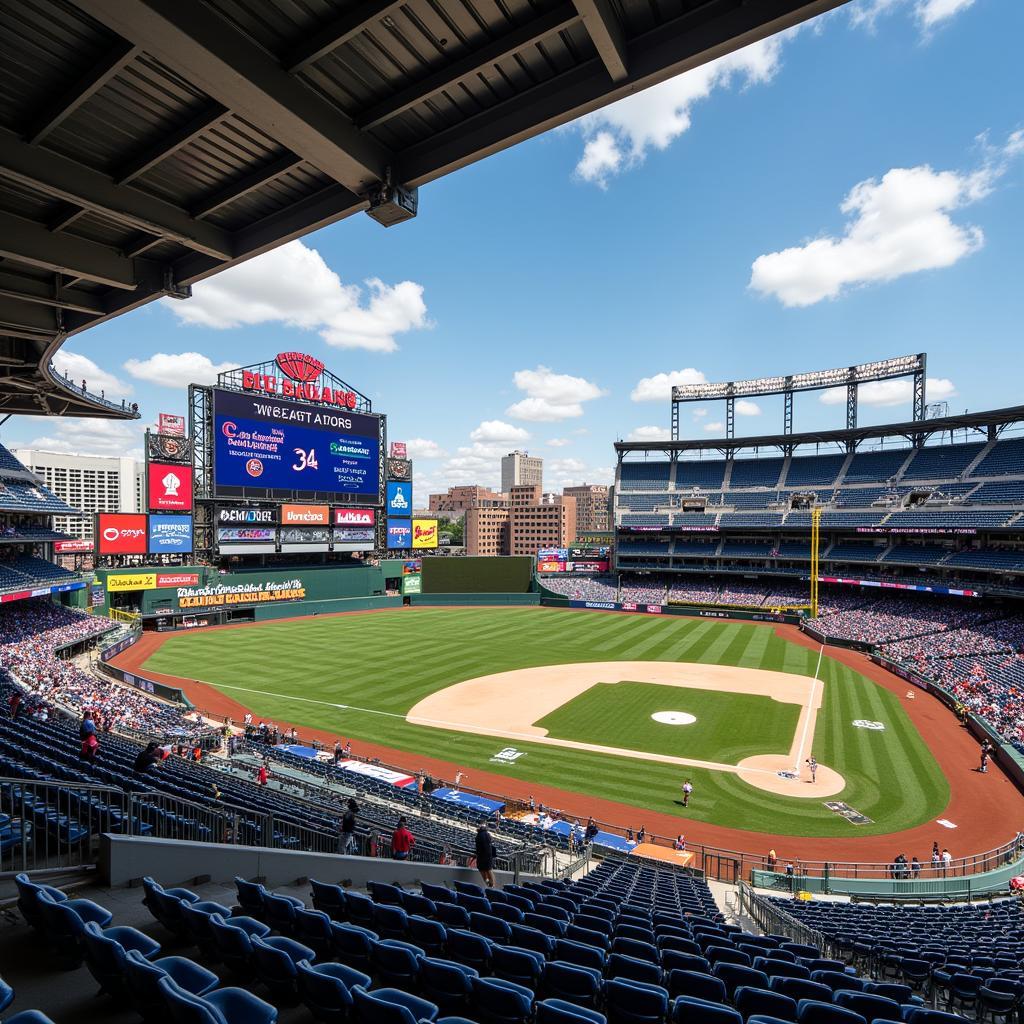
[[729, 726], [386, 662]]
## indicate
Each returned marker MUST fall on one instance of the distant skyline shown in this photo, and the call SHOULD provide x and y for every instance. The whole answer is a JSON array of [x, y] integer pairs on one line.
[[846, 191]]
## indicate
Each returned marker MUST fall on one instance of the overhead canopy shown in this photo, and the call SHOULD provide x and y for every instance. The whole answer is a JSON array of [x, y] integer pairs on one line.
[[147, 144]]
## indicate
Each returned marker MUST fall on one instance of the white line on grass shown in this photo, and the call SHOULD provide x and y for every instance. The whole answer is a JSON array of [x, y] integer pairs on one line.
[[808, 712]]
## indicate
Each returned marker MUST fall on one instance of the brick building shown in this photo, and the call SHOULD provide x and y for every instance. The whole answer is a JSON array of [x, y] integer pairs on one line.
[[593, 507]]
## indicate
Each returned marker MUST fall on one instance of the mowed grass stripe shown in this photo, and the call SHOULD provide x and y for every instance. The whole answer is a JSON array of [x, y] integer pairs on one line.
[[389, 661]]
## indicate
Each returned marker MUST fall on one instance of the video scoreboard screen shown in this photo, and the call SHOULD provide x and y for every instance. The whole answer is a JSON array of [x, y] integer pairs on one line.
[[271, 448]]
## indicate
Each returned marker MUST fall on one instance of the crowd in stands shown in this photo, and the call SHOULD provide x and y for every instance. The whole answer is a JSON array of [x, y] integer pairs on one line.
[[892, 617], [584, 588], [642, 590], [31, 632]]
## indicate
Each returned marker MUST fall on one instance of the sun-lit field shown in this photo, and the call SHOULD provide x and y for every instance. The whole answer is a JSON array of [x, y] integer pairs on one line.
[[379, 666]]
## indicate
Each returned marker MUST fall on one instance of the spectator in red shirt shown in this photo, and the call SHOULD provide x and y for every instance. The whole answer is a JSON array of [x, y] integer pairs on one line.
[[402, 842], [262, 775]]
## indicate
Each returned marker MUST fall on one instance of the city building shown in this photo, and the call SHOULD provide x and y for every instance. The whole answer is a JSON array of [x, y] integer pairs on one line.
[[519, 468], [593, 507], [91, 483], [487, 531], [461, 499], [539, 524]]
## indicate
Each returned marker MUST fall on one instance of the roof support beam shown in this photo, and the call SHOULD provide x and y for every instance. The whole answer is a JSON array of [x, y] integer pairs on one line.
[[26, 319], [57, 176], [168, 145], [29, 289], [27, 242], [336, 33], [246, 184], [198, 44], [605, 31], [66, 103], [472, 63]]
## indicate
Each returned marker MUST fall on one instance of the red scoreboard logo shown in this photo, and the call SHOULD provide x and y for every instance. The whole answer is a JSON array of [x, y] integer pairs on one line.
[[170, 488], [121, 533]]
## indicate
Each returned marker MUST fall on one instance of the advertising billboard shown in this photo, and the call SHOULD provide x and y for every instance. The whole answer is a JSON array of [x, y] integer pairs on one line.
[[231, 516], [279, 448], [169, 488], [170, 423], [412, 584], [399, 498], [399, 450], [169, 535], [355, 517], [306, 538], [246, 534], [150, 580], [65, 547], [305, 515], [424, 533], [121, 533], [399, 534]]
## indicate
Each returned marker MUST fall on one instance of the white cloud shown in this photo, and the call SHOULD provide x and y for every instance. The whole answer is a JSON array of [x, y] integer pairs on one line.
[[293, 285], [650, 433], [176, 370], [91, 436], [699, 414], [421, 448], [714, 428], [897, 225], [558, 442], [927, 13], [744, 407], [551, 396], [497, 431], [619, 137], [659, 387], [79, 368], [581, 431], [884, 393]]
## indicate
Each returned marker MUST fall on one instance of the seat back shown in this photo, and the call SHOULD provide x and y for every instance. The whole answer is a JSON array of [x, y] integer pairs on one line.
[[185, 1008]]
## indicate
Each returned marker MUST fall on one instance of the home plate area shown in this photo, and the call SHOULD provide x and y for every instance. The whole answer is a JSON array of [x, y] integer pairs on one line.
[[621, 708]]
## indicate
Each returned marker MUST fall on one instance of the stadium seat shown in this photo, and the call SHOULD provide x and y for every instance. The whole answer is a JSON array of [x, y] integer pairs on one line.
[[469, 949], [328, 898], [106, 950], [274, 959], [250, 898], [690, 1010], [870, 1007], [142, 979], [558, 1011], [6, 995], [221, 1006], [325, 989], [577, 953], [395, 963], [621, 966], [811, 1011], [389, 921], [430, 936], [496, 1001], [633, 1002], [583, 986], [446, 983], [313, 929], [352, 945], [801, 988], [391, 1006], [734, 975], [523, 966], [764, 1002]]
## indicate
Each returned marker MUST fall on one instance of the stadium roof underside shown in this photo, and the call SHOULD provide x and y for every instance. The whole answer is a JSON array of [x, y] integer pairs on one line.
[[916, 431], [148, 144]]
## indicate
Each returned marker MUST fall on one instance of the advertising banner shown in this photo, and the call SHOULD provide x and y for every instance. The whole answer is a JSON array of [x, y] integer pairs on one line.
[[399, 469], [233, 516], [399, 534], [131, 581], [424, 533], [412, 584], [218, 595], [399, 450], [121, 533], [246, 534], [550, 566], [170, 535], [305, 535], [170, 488], [355, 534], [376, 771], [67, 547], [97, 595], [166, 448], [399, 498], [281, 446], [170, 423], [355, 517], [177, 579], [305, 515], [552, 554], [414, 565]]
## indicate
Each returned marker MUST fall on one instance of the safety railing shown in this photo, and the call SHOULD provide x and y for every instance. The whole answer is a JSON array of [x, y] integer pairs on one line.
[[772, 920]]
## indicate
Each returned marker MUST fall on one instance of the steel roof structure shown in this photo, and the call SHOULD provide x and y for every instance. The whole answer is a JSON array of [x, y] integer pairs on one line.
[[990, 423], [148, 144]]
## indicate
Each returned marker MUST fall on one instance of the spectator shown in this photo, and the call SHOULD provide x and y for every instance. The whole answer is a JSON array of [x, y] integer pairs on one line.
[[485, 853], [402, 841], [348, 827], [90, 745], [148, 757]]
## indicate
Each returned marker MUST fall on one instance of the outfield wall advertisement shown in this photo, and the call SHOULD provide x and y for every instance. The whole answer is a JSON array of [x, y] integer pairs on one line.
[[219, 595]]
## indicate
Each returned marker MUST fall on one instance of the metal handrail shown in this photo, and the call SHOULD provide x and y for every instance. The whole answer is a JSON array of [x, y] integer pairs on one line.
[[773, 920], [67, 382]]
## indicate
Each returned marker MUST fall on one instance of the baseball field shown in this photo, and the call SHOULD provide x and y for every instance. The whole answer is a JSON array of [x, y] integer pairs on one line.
[[616, 707]]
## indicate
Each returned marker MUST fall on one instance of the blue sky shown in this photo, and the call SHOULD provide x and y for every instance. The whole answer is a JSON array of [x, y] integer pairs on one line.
[[849, 191]]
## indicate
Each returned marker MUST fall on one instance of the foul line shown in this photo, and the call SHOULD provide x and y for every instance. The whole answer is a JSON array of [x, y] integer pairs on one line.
[[526, 737], [810, 711]]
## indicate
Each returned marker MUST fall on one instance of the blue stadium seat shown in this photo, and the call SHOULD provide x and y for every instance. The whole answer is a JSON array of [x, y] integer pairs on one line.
[[633, 1002], [326, 989], [496, 1001], [691, 1010], [391, 1006], [558, 1011], [446, 983], [142, 979]]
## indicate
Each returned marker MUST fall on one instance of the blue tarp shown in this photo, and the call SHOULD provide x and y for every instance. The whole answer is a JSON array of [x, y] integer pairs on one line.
[[471, 800], [298, 750], [608, 839]]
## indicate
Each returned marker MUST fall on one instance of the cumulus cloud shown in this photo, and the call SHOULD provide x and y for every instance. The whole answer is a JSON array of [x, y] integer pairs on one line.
[[551, 396], [649, 433], [744, 407], [899, 224], [91, 436], [884, 393], [659, 387], [928, 14], [558, 442], [619, 137], [178, 369], [497, 431], [79, 368], [292, 285], [714, 428], [421, 448]]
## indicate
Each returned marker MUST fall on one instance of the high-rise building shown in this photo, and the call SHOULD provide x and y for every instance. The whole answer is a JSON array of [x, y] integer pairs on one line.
[[461, 499], [88, 482], [541, 524], [519, 468], [593, 508], [486, 531]]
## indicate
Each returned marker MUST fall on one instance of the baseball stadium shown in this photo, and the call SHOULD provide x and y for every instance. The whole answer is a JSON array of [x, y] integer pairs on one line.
[[756, 754]]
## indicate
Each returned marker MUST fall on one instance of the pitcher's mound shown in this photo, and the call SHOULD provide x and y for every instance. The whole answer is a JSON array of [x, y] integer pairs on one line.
[[774, 774]]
